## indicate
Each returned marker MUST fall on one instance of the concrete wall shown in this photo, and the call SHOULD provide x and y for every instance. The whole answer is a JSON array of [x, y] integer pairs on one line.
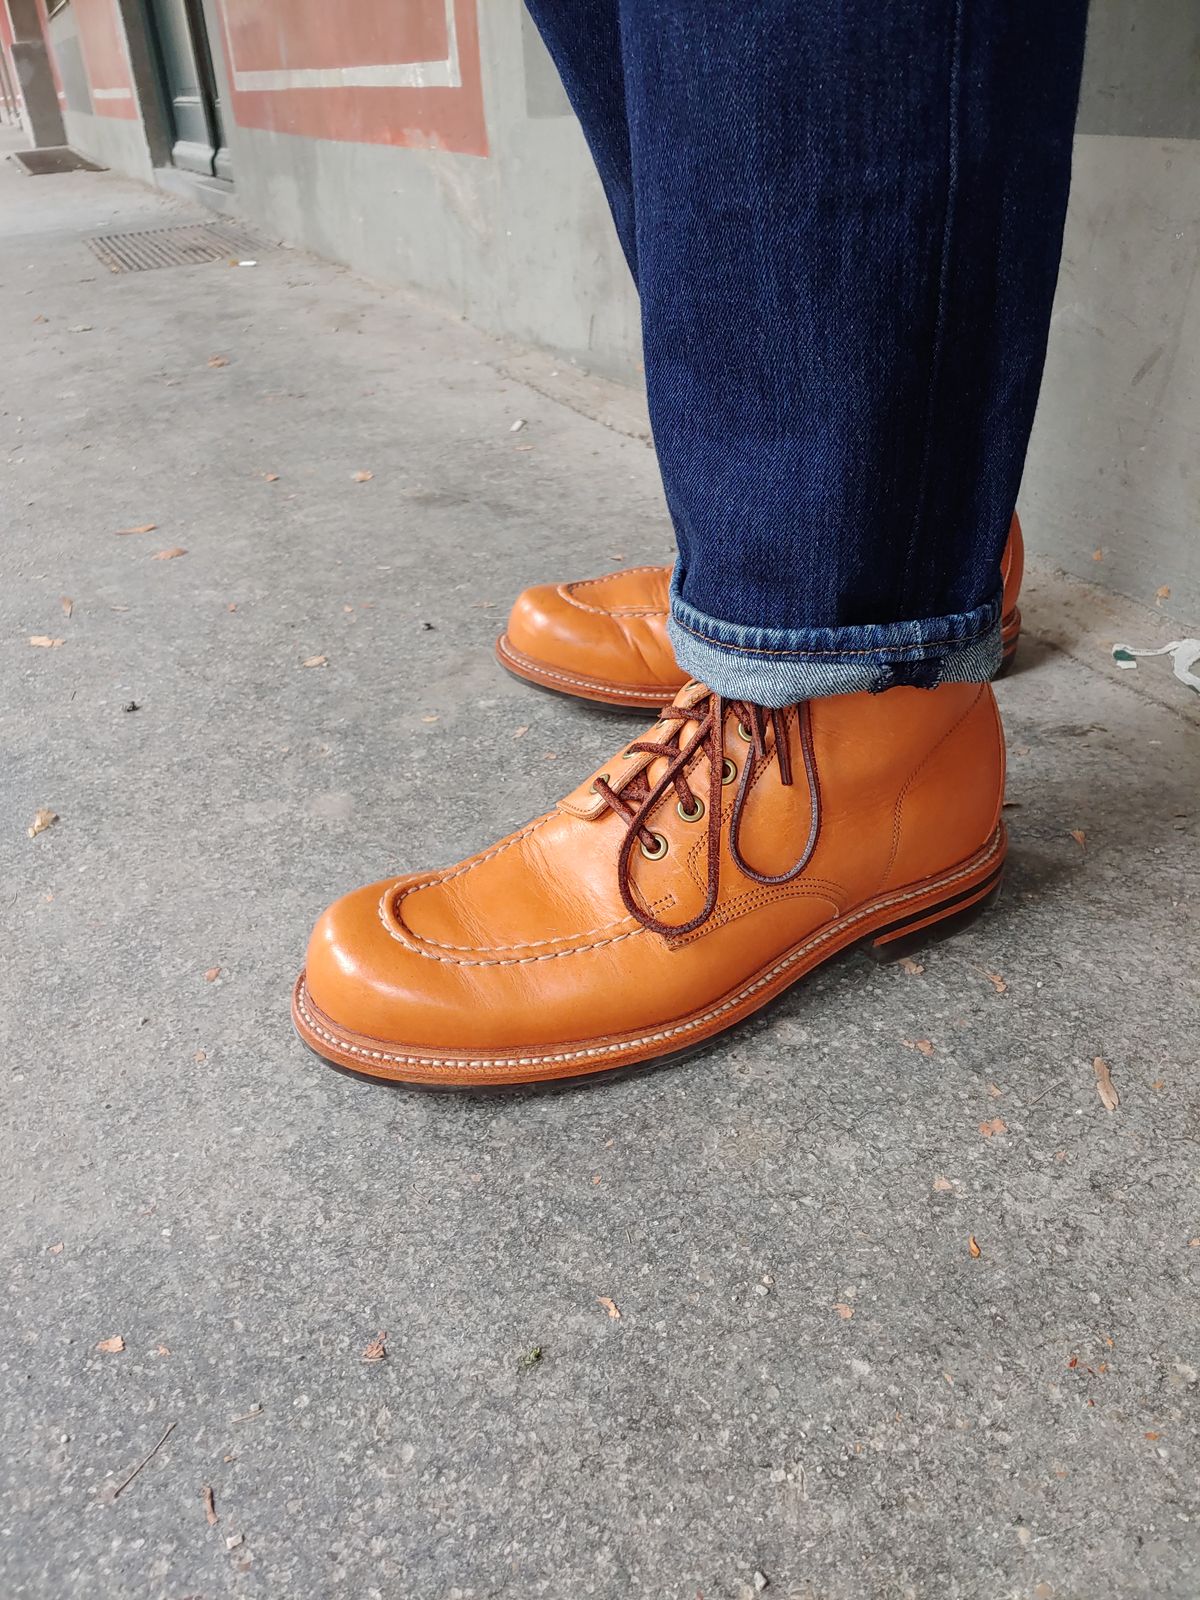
[[518, 240], [1112, 482]]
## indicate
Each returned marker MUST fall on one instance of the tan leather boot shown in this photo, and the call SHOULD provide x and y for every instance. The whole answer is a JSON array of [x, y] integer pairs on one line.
[[706, 868], [605, 639]]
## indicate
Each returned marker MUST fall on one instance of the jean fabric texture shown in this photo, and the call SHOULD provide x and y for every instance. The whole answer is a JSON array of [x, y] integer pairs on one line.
[[844, 220]]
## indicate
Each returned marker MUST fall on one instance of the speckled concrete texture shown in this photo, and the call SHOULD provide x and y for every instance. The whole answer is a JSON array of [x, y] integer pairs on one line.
[[813, 1377]]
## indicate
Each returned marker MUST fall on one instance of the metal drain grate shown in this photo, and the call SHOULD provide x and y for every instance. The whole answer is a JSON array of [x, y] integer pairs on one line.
[[53, 158], [186, 246]]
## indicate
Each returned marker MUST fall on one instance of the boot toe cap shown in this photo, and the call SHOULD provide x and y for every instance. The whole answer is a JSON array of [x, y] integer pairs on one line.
[[355, 973], [544, 626]]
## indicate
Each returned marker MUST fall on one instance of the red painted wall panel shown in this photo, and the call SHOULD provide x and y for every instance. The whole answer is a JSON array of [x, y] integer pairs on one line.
[[403, 72], [102, 43]]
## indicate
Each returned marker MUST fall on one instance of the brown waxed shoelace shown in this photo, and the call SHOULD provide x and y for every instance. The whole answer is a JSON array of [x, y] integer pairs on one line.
[[709, 741]]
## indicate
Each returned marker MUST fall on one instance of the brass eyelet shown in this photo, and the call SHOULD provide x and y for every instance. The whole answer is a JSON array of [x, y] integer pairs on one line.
[[728, 770], [660, 848], [743, 732], [603, 778], [695, 813], [630, 755]]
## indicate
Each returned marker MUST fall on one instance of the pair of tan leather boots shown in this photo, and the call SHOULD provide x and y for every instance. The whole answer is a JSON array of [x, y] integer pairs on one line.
[[710, 864]]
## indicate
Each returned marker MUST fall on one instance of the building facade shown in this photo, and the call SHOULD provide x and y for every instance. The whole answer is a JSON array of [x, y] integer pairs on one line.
[[429, 143]]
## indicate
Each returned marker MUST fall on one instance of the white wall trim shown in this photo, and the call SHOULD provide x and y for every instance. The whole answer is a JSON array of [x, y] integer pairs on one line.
[[387, 75]]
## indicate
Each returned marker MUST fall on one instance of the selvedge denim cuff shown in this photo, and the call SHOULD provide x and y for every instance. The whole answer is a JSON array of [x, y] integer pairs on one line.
[[780, 666]]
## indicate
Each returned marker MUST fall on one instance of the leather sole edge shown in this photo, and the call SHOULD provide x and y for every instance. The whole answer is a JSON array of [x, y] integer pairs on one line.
[[642, 697]]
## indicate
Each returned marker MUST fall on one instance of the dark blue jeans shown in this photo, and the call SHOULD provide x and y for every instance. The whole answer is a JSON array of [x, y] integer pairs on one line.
[[844, 218]]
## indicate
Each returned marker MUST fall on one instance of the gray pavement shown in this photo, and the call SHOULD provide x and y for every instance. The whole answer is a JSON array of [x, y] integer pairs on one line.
[[812, 1378]]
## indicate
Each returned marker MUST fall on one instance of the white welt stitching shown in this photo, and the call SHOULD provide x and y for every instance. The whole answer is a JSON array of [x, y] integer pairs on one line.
[[653, 692], [667, 1033], [469, 866], [522, 944], [567, 591], [398, 934], [393, 894], [410, 943]]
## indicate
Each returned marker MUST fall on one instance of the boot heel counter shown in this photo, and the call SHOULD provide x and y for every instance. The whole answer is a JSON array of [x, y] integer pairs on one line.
[[950, 805]]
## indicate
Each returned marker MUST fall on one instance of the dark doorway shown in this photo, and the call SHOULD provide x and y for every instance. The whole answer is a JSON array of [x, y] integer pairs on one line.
[[189, 86]]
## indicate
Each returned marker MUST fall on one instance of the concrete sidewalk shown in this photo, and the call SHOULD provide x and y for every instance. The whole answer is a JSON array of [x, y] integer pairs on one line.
[[812, 1378]]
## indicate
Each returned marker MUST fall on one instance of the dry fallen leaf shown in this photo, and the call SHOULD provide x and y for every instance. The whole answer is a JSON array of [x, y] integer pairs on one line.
[[67, 604], [843, 1310], [210, 1510], [1097, 555], [1194, 1244], [218, 361], [519, 733], [997, 982], [169, 555], [234, 1540], [973, 1247], [112, 1346], [1105, 1088], [162, 1350], [925, 1046], [913, 968], [363, 477], [55, 1249], [995, 1126], [995, 1090], [200, 1055], [1162, 593], [609, 1306], [316, 661], [942, 1184], [212, 974], [431, 719], [144, 527], [43, 641], [271, 477], [377, 1349], [1079, 837], [42, 819]]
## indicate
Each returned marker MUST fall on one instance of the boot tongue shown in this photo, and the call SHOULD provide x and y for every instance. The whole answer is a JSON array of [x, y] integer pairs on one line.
[[678, 728], [687, 708]]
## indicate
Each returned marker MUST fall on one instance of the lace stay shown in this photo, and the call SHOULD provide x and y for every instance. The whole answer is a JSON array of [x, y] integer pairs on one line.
[[637, 802]]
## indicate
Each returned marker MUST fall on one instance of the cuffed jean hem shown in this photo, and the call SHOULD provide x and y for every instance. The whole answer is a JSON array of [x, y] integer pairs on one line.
[[780, 666]]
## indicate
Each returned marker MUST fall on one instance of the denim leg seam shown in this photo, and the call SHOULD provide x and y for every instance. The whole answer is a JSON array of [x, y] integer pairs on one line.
[[939, 327]]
